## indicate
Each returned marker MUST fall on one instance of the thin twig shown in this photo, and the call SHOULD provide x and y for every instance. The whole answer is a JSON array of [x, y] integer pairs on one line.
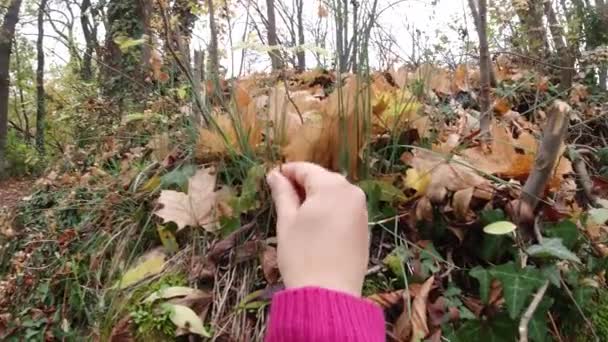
[[557, 334], [290, 99], [525, 319], [583, 178], [580, 310]]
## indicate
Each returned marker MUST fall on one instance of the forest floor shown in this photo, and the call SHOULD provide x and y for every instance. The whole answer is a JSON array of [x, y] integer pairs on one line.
[[12, 190]]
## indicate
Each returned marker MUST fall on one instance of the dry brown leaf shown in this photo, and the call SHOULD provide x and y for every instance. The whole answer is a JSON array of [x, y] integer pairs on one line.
[[461, 202], [270, 267], [465, 78], [156, 64], [338, 132], [197, 207], [122, 331], [512, 158], [160, 146], [387, 300], [414, 326], [288, 112], [434, 78], [445, 175], [420, 328], [501, 106]]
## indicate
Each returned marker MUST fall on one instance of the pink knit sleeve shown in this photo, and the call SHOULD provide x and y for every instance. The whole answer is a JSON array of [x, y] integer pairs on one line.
[[319, 315]]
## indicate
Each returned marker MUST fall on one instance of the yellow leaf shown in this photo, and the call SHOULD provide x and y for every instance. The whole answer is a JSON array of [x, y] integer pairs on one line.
[[152, 184], [149, 264], [168, 239], [184, 318], [418, 181]]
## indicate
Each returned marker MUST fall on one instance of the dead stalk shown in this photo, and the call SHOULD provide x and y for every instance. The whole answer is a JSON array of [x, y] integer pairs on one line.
[[525, 319], [583, 178], [546, 160]]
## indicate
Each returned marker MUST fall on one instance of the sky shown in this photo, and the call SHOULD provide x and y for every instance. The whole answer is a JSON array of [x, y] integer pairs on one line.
[[398, 17]]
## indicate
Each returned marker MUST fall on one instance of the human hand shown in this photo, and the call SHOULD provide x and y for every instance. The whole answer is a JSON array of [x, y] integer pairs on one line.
[[322, 231]]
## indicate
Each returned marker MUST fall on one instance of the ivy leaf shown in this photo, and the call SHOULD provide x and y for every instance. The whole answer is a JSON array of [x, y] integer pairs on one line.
[[551, 273], [599, 216], [537, 328], [178, 177], [552, 248], [517, 285], [388, 192], [565, 230], [483, 276], [125, 43], [249, 194], [498, 329]]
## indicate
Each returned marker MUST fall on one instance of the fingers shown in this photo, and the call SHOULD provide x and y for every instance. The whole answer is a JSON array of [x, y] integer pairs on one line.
[[310, 177], [284, 195]]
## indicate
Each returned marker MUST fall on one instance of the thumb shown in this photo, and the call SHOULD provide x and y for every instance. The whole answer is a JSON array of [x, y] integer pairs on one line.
[[284, 195]]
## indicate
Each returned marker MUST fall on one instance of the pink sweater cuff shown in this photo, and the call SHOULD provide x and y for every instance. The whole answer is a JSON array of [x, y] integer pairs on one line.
[[319, 315]]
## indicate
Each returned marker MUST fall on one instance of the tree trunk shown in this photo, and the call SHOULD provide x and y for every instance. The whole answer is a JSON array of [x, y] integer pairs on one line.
[[89, 31], [40, 109], [355, 51], [476, 21], [214, 60], [563, 53], [484, 69], [301, 40], [275, 55], [531, 17], [124, 72], [7, 34]]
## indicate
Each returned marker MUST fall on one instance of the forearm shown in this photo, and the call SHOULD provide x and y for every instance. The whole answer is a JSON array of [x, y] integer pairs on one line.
[[315, 314]]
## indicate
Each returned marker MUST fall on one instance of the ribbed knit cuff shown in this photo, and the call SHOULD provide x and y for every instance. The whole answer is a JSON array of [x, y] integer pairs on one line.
[[317, 315]]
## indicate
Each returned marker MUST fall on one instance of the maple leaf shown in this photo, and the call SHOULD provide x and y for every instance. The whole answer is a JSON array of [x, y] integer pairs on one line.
[[452, 175], [197, 207]]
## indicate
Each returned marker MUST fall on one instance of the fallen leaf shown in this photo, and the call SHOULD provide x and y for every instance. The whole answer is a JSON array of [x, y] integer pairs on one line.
[[270, 267], [185, 319], [413, 326], [336, 140], [160, 146], [148, 265], [420, 328], [387, 300], [171, 292], [197, 208], [445, 174], [121, 332], [167, 239], [416, 180], [512, 158], [461, 202]]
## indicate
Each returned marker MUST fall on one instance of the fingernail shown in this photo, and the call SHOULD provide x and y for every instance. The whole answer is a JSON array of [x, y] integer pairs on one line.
[[271, 177]]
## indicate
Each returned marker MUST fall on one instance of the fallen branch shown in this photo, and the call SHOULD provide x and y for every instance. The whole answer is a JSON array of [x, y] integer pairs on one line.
[[583, 178], [546, 159], [525, 319]]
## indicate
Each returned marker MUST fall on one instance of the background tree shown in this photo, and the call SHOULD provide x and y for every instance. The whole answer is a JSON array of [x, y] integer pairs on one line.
[[273, 42], [40, 107], [7, 34]]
